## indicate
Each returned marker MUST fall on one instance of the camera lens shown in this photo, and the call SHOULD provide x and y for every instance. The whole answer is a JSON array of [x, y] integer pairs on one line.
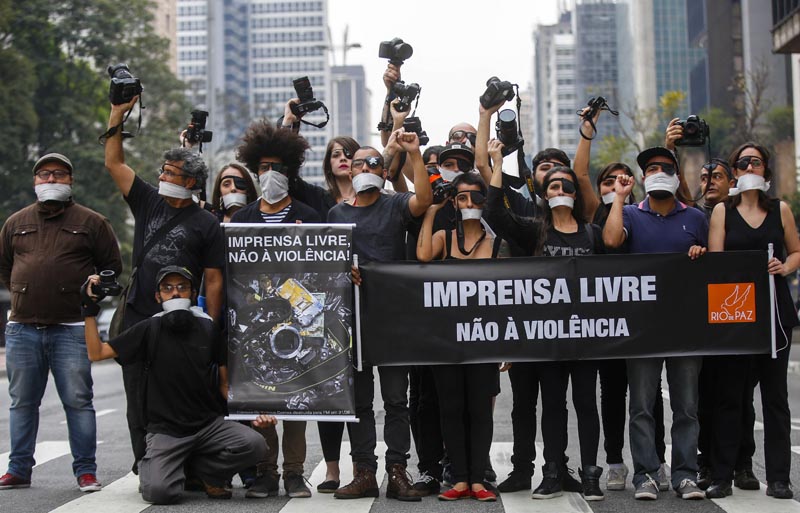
[[107, 276]]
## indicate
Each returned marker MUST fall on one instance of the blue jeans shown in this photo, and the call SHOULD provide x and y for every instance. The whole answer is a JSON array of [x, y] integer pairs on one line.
[[682, 377], [30, 353]]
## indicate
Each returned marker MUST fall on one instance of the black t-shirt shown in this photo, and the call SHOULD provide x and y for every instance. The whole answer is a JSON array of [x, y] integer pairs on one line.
[[574, 244], [196, 243], [181, 396], [380, 232]]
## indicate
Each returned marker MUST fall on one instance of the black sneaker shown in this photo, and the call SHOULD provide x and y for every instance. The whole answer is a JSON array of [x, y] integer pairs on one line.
[[264, 486], [550, 486], [719, 490], [568, 481], [516, 481], [780, 490], [590, 480], [489, 474], [744, 479], [295, 486], [427, 484], [704, 478]]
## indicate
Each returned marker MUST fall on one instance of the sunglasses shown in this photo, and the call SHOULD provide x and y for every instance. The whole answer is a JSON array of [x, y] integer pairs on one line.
[[477, 197], [263, 167], [463, 134], [744, 162], [371, 162], [656, 167]]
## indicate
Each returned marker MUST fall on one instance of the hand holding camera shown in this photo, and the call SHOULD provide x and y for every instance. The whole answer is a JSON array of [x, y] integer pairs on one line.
[[390, 77], [497, 92], [695, 131], [673, 133], [396, 50], [398, 116]]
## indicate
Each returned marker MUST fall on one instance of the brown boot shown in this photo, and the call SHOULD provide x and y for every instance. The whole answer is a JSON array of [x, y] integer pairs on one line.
[[400, 486], [363, 485]]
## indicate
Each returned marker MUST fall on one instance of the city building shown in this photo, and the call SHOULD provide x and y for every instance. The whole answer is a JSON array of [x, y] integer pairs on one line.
[[350, 100]]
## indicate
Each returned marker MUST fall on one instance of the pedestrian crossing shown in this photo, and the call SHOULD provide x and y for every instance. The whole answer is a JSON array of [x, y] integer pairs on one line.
[[122, 496]]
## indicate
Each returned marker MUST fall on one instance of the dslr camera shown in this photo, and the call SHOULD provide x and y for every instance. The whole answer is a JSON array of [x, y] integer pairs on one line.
[[396, 50], [124, 86], [108, 285], [497, 92], [413, 124], [441, 190], [695, 131], [507, 131], [196, 131], [302, 86], [406, 93]]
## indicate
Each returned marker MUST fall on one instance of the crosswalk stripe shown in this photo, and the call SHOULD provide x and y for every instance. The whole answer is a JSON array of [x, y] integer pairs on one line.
[[518, 502], [121, 496], [44, 452], [96, 414], [325, 502]]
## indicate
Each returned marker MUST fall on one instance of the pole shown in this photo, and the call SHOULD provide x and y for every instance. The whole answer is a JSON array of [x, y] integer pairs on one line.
[[357, 300], [770, 254]]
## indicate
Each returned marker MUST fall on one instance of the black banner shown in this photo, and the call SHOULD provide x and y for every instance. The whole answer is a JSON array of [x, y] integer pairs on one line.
[[564, 308], [289, 305]]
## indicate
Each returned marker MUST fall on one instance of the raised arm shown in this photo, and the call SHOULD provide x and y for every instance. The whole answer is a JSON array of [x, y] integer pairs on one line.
[[423, 196], [120, 172], [390, 77], [482, 141], [581, 168], [614, 232]]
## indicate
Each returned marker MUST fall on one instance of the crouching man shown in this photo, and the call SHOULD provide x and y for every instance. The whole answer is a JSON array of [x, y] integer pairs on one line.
[[182, 393]]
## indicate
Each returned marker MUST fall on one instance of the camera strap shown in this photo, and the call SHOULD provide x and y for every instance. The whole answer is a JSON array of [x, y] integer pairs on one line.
[[112, 131], [589, 116], [322, 124]]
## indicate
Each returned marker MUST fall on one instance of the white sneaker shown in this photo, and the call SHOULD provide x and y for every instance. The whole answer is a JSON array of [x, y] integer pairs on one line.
[[617, 476], [664, 482]]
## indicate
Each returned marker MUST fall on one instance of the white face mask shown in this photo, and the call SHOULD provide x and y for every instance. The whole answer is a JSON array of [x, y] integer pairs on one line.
[[608, 198], [53, 191], [234, 199], [170, 190], [448, 175], [470, 213], [661, 182], [274, 186], [561, 201], [365, 181], [179, 303], [749, 182]]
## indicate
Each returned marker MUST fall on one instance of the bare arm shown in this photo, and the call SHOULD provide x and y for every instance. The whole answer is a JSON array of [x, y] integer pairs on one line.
[[791, 241], [223, 381], [95, 347], [423, 196], [716, 230], [581, 168], [120, 172], [482, 142], [429, 246], [390, 77], [614, 232], [214, 288]]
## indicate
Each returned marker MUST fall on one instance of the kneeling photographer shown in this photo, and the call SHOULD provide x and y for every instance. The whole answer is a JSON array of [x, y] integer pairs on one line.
[[182, 391]]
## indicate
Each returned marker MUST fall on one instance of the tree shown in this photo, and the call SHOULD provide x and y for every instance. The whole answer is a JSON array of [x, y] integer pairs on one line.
[[611, 148], [54, 95]]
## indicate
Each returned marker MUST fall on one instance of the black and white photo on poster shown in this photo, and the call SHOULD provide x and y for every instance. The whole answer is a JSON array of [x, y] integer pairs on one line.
[[564, 308], [289, 312]]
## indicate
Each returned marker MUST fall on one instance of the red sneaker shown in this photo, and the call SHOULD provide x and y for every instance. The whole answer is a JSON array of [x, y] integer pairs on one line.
[[484, 496], [8, 481], [453, 495], [89, 483]]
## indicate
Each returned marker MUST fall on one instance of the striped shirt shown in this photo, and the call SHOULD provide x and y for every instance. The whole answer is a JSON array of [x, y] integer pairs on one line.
[[277, 217]]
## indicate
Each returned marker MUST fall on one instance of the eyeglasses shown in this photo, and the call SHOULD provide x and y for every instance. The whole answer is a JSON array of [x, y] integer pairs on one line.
[[610, 180], [657, 167], [168, 288], [478, 198], [744, 162], [463, 134], [59, 174], [171, 174], [263, 167], [371, 162]]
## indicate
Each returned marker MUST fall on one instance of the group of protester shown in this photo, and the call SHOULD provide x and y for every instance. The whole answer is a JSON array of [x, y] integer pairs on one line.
[[173, 353]]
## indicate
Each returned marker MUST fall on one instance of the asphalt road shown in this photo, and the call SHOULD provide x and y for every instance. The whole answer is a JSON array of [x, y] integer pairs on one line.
[[54, 487]]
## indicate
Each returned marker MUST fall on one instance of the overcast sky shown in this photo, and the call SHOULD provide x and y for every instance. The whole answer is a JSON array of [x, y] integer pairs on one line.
[[457, 46]]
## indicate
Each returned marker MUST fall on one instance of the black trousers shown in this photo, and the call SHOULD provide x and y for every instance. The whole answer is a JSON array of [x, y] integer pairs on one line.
[[330, 438], [426, 427], [132, 382], [524, 378], [613, 390], [733, 391], [465, 399], [553, 379]]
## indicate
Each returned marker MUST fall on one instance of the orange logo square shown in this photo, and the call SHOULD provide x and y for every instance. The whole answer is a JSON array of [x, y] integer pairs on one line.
[[731, 302]]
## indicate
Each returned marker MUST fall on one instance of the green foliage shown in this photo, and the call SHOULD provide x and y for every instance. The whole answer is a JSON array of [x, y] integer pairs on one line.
[[54, 96], [611, 149], [780, 124], [721, 126]]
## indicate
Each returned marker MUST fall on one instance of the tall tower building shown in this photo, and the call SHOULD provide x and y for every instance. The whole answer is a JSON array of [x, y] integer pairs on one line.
[[350, 103], [165, 24], [239, 58]]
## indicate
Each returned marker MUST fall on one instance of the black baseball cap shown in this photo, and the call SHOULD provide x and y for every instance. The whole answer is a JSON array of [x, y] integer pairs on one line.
[[173, 269], [52, 157], [456, 150], [656, 151]]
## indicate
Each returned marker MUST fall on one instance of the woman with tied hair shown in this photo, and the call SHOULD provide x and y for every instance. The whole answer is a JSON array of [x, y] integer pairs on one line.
[[233, 189], [750, 220], [560, 231]]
